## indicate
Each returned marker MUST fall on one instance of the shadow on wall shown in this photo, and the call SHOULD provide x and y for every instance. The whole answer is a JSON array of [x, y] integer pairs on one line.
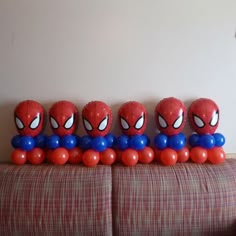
[[7, 128]]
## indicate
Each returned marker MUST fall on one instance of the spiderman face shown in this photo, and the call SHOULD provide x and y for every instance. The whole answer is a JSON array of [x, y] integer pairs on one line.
[[29, 117], [133, 118], [204, 116], [170, 116], [97, 118], [63, 116]]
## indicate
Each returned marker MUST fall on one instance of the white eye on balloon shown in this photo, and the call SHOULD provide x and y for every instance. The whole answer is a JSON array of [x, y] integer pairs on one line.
[[69, 123], [87, 125], [162, 122], [198, 121], [35, 122], [19, 123], [178, 121], [124, 123], [139, 123], [214, 119], [54, 123], [103, 124]]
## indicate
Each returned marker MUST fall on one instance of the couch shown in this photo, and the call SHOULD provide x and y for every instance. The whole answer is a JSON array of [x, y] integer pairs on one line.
[[184, 199]]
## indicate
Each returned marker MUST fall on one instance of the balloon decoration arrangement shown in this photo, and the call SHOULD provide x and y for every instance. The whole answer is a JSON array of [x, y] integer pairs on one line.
[[62, 145], [98, 144], [205, 143], [133, 146], [29, 143], [170, 143]]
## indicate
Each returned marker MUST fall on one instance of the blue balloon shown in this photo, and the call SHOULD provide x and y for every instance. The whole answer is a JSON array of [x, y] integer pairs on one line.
[[53, 141], [122, 142], [219, 139], [40, 140], [85, 142], [99, 144], [15, 141], [110, 140], [177, 142], [68, 141], [160, 141], [207, 141], [194, 140], [27, 143], [138, 142]]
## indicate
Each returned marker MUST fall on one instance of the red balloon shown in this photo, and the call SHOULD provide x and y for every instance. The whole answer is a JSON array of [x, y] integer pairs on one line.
[[108, 157], [146, 155], [75, 155], [97, 118], [168, 157], [18, 157], [170, 116], [36, 156], [198, 155], [216, 155], [90, 158], [204, 116], [183, 155], [59, 156], [63, 117], [129, 157], [29, 118], [133, 118]]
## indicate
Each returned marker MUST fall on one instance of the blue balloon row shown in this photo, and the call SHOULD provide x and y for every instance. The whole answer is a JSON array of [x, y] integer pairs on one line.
[[207, 140], [27, 143], [137, 142]]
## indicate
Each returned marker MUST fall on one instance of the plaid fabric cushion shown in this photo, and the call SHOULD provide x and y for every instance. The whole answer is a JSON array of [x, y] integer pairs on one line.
[[185, 199], [55, 200]]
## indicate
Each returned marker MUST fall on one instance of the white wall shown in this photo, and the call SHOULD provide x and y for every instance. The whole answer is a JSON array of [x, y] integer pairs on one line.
[[116, 51]]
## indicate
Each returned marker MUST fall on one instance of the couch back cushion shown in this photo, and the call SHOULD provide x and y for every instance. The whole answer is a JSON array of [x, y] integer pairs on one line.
[[55, 200], [185, 199]]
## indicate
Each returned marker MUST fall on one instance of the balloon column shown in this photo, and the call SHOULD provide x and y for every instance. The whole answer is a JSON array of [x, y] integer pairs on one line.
[[132, 145], [62, 145], [29, 144], [97, 144], [205, 143], [170, 143]]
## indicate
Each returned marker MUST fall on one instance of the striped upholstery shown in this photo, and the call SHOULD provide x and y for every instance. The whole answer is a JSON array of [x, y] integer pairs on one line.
[[185, 199], [55, 200]]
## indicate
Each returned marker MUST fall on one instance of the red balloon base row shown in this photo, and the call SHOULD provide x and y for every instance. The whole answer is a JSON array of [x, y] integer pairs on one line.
[[198, 155], [128, 157]]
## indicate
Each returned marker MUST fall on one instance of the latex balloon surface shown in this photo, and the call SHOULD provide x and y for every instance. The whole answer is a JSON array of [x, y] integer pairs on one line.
[[97, 118], [63, 117], [170, 116], [133, 118], [29, 118], [204, 116]]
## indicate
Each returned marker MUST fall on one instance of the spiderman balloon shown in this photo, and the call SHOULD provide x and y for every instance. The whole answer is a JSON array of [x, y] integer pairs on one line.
[[132, 145], [30, 142], [98, 143], [205, 143], [62, 145], [170, 143]]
